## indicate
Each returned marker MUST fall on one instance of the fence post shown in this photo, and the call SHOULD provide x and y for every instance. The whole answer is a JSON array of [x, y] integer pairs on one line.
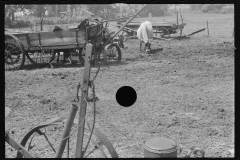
[[207, 29]]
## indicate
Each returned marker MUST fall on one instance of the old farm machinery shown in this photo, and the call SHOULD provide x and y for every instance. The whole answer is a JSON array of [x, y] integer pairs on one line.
[[101, 143], [89, 138], [42, 46], [163, 29]]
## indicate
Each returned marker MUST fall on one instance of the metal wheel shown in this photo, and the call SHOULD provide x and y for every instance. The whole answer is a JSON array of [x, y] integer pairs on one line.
[[14, 53], [43, 141], [164, 32], [113, 52], [41, 56]]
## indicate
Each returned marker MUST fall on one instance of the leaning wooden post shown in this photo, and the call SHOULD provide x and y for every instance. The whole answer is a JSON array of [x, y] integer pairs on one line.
[[207, 29], [66, 131], [177, 17], [83, 102]]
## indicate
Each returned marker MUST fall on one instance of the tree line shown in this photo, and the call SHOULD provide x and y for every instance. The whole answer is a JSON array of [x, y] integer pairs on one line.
[[106, 11]]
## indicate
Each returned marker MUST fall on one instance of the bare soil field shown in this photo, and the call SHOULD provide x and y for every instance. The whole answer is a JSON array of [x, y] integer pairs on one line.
[[185, 92]]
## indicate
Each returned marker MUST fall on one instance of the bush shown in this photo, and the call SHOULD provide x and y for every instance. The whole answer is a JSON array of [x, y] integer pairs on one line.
[[207, 8], [227, 10], [18, 24]]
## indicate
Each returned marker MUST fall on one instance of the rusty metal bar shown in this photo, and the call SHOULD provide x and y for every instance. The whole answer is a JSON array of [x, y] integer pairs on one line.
[[66, 131], [197, 32], [83, 103]]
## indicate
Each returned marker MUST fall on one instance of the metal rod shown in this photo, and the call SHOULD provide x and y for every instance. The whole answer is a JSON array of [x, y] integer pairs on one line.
[[66, 131], [127, 22], [83, 103], [207, 29]]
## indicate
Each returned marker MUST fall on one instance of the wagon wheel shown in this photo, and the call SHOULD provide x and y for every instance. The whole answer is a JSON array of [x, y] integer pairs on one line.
[[164, 32], [14, 53], [113, 52], [99, 141], [41, 56]]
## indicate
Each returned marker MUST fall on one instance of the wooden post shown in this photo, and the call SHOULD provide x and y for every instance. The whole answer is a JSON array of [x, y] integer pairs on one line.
[[181, 16], [207, 29], [83, 103], [177, 17]]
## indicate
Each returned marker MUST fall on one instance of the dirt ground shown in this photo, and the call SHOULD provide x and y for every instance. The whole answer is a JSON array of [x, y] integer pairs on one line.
[[184, 92]]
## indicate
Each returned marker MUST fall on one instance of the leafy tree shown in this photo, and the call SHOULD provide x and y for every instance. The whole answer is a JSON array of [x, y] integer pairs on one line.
[[10, 11], [104, 11], [155, 9], [39, 11], [196, 7]]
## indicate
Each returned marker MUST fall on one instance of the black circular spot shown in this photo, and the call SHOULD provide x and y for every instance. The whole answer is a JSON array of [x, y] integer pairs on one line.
[[126, 96]]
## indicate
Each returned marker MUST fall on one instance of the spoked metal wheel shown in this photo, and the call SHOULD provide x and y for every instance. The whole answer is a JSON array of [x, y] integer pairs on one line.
[[41, 56], [113, 52], [164, 32], [14, 53], [42, 141], [100, 146]]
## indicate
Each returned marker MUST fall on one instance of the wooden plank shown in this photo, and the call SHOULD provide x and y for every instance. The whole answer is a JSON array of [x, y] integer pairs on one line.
[[53, 40], [65, 37]]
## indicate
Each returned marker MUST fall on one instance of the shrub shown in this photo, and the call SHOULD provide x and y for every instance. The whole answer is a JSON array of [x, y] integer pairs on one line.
[[207, 8], [227, 10], [18, 24]]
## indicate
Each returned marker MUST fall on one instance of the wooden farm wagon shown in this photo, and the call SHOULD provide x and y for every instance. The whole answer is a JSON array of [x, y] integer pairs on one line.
[[165, 28], [41, 46]]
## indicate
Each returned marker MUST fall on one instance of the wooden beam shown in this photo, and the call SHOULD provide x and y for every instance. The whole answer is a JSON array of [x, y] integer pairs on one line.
[[83, 103], [17, 146]]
